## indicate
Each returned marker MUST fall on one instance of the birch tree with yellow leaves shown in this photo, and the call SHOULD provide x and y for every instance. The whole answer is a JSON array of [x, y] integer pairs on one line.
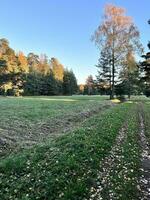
[[118, 33]]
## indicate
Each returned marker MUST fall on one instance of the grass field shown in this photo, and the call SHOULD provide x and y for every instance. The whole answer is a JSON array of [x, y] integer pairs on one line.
[[28, 121], [74, 148]]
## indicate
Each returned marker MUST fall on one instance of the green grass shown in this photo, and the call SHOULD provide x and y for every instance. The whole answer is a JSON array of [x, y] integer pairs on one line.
[[65, 168], [123, 178], [146, 115], [27, 121]]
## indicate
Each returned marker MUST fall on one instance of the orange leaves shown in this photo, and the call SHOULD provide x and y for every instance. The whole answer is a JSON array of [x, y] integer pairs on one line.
[[117, 31], [117, 15], [113, 10], [43, 65], [23, 63]]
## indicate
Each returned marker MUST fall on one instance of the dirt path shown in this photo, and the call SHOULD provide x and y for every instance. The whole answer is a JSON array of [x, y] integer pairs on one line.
[[106, 167], [144, 181]]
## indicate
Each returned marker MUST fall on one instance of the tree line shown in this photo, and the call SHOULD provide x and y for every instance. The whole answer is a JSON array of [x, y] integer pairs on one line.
[[33, 74]]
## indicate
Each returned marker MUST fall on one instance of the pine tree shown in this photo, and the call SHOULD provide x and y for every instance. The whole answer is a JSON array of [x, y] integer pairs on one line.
[[70, 86], [145, 68], [129, 74], [104, 72]]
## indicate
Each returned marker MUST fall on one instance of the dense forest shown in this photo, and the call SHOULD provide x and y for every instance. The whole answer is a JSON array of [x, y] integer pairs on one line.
[[33, 74]]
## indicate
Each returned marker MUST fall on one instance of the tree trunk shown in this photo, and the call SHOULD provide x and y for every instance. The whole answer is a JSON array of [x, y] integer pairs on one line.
[[113, 75], [129, 89], [113, 66]]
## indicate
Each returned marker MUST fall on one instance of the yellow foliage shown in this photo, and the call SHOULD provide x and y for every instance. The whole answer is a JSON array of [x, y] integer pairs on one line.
[[57, 69], [81, 87], [23, 62]]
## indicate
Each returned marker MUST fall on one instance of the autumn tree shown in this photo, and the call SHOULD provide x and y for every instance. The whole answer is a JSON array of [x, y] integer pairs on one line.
[[9, 69], [57, 69], [81, 88], [23, 63], [117, 33], [43, 66], [33, 62], [33, 75]]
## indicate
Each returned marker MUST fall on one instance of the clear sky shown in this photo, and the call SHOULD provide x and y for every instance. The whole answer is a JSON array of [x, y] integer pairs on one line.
[[62, 28]]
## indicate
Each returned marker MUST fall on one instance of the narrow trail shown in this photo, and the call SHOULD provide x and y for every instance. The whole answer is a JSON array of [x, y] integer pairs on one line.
[[144, 181], [106, 166]]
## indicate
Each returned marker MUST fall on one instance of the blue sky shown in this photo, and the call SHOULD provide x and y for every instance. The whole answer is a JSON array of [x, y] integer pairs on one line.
[[62, 28]]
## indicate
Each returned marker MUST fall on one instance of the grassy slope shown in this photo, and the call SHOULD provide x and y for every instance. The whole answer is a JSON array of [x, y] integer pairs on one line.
[[66, 168]]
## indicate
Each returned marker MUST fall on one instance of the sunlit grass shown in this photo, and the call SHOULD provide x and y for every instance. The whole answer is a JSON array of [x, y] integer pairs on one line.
[[65, 168]]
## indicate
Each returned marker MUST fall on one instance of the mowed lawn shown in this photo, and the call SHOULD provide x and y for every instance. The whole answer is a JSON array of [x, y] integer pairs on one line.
[[26, 121]]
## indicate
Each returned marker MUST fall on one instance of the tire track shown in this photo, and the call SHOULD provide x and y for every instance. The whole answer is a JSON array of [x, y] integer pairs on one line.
[[107, 166], [144, 181]]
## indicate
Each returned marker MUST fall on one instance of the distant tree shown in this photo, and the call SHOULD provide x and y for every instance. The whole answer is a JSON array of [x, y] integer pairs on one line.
[[23, 63], [33, 62], [57, 69], [70, 86], [43, 65], [117, 33], [10, 70], [32, 84], [90, 86], [81, 88]]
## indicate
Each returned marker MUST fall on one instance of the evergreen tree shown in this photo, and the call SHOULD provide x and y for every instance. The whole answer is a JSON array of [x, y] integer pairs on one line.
[[70, 86], [129, 74], [145, 68], [104, 72]]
